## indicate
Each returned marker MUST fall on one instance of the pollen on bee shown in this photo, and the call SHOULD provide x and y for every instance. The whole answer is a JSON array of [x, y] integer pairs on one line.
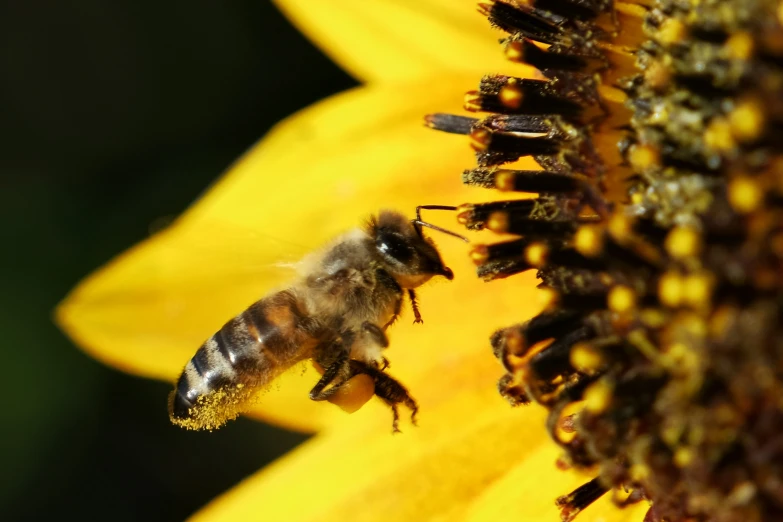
[[354, 394]]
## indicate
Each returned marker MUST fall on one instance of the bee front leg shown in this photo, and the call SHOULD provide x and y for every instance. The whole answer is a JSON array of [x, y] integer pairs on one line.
[[387, 388], [416, 314]]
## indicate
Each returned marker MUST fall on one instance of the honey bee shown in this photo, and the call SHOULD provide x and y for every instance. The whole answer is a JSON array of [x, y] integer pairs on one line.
[[336, 313]]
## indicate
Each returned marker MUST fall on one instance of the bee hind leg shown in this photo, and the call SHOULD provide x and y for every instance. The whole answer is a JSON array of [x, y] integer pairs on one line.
[[388, 389], [337, 371]]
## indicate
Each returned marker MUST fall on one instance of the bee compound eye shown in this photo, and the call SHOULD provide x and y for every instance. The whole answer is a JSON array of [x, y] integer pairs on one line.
[[393, 246]]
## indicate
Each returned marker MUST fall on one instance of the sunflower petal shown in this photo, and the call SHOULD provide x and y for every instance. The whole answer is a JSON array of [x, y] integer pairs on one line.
[[387, 40], [314, 175], [470, 449]]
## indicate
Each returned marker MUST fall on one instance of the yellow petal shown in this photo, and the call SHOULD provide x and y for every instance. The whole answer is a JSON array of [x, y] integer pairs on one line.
[[461, 463], [386, 40], [316, 174]]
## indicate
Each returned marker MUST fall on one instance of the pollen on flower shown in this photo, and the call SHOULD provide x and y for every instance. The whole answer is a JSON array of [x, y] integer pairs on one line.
[[656, 234]]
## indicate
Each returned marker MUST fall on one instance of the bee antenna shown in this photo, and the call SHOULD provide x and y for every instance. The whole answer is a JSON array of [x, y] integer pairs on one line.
[[418, 223]]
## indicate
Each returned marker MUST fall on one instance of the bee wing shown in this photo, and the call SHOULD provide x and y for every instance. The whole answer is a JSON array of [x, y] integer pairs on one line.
[[229, 252]]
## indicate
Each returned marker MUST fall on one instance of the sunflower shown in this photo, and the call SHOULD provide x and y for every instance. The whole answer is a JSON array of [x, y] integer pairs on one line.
[[649, 233]]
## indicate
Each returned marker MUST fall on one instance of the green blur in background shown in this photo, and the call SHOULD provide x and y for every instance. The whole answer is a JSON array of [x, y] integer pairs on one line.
[[115, 116]]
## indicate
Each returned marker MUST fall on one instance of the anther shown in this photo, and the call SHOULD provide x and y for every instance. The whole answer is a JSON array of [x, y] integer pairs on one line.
[[683, 243], [745, 194], [589, 241], [621, 299]]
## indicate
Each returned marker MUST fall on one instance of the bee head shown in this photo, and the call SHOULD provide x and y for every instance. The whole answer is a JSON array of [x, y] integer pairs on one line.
[[405, 253]]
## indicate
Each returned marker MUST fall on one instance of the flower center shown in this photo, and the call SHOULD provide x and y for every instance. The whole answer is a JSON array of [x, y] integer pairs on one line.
[[656, 232]]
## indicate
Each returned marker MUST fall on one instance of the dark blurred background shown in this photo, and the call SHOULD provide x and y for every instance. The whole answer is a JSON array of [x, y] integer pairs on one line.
[[114, 116]]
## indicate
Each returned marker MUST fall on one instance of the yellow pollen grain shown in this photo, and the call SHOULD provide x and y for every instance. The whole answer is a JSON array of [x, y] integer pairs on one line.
[[683, 242], [479, 254], [548, 297], [721, 320], [639, 472], [513, 341], [598, 396], [510, 95], [682, 359], [670, 289], [479, 139], [745, 194], [644, 157], [657, 76], [589, 241], [742, 494], [354, 393], [718, 135], [498, 222], [740, 46], [630, 9], [586, 357], [683, 457], [514, 52], [621, 299], [697, 289], [747, 120], [504, 180], [612, 94], [536, 254], [671, 31], [472, 101], [620, 227], [464, 214]]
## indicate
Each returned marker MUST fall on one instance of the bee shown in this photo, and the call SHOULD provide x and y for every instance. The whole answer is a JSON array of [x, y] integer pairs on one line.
[[336, 313]]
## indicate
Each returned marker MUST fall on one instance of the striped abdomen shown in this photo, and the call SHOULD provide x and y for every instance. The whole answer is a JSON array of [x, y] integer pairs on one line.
[[245, 354]]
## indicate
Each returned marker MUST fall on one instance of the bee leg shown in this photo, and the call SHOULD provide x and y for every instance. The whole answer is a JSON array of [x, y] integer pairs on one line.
[[396, 314], [376, 332], [336, 373], [378, 337], [388, 389], [416, 314]]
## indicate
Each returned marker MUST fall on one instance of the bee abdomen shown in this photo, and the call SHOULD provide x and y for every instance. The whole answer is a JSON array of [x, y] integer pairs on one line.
[[246, 353]]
